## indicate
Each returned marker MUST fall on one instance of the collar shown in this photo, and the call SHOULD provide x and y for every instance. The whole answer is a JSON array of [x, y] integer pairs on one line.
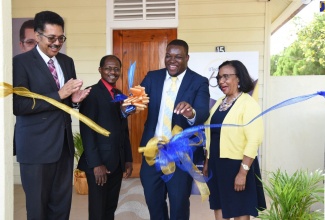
[[108, 86], [44, 56], [179, 77]]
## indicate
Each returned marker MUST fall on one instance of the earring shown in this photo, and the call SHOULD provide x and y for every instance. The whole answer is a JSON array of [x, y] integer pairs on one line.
[[238, 86]]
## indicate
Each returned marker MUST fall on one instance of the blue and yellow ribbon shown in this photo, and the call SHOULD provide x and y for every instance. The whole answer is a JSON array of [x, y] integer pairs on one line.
[[167, 154], [178, 151]]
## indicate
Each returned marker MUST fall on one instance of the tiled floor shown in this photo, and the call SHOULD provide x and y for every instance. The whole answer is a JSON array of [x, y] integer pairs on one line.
[[131, 204], [199, 210]]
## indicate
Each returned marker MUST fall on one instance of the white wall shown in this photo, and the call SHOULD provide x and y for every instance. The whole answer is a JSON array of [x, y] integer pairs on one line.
[[295, 134]]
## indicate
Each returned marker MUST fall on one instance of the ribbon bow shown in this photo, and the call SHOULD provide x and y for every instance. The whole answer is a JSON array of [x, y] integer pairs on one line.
[[178, 151]]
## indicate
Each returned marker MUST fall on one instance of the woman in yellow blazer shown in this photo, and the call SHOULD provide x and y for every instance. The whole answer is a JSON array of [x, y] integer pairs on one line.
[[232, 150]]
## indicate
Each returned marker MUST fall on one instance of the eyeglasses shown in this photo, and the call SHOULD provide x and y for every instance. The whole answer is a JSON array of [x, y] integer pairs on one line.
[[225, 76], [29, 42], [53, 39], [110, 69]]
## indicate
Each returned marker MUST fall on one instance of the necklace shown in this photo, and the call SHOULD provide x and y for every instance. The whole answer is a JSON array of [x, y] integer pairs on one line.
[[225, 105]]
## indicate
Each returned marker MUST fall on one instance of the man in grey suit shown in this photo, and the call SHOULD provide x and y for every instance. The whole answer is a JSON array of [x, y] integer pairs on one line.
[[43, 136]]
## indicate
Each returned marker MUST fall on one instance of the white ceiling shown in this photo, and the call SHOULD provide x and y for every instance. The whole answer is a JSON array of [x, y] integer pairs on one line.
[[283, 10]]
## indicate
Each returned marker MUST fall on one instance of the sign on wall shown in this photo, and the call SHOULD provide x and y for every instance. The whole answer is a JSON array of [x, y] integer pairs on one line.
[[207, 63]]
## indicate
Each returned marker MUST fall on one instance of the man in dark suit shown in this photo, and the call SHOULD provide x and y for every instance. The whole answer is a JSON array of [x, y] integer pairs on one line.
[[105, 158], [191, 107], [43, 136]]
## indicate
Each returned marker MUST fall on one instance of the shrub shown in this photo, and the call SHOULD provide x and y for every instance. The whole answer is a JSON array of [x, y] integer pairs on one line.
[[291, 197]]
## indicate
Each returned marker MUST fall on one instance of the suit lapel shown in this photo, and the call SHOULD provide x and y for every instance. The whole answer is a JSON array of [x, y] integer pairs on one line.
[[105, 93], [186, 82], [108, 98], [63, 67], [159, 85], [39, 63]]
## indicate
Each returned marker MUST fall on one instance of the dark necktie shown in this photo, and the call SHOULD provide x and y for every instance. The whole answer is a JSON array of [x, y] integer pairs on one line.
[[54, 73], [117, 104], [114, 92]]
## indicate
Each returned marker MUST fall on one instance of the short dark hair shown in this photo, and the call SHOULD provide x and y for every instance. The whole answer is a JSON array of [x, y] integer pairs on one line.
[[25, 25], [47, 17], [245, 80], [102, 61], [178, 42]]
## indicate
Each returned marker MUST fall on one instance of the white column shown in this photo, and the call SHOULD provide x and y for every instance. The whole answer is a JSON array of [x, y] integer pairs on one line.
[[6, 116]]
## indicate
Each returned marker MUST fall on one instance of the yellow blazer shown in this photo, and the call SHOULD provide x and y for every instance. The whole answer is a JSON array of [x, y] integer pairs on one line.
[[235, 142]]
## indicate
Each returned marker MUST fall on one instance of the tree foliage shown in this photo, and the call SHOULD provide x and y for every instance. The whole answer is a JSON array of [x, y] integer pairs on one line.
[[306, 55]]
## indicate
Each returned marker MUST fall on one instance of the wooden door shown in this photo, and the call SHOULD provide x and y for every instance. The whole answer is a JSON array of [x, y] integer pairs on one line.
[[147, 48]]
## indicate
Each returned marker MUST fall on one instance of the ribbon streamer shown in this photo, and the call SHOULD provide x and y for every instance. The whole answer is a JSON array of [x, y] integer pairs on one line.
[[282, 104], [131, 74], [7, 89], [166, 154]]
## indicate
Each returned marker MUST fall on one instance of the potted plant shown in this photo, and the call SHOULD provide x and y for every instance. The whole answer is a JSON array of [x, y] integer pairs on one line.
[[80, 180], [291, 197], [77, 145]]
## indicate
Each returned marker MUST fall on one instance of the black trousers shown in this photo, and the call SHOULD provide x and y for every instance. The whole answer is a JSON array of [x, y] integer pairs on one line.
[[48, 188], [103, 200]]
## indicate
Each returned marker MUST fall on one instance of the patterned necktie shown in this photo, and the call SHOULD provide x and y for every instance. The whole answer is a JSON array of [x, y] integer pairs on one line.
[[169, 109], [54, 73]]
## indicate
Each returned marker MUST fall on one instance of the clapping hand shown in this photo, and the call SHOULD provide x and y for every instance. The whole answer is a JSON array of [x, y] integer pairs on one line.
[[72, 87]]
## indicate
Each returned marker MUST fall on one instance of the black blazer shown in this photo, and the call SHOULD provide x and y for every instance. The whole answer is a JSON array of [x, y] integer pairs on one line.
[[40, 130], [99, 149]]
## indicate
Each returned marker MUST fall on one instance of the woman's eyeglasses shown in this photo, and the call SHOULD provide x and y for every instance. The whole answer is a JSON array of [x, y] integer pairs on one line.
[[214, 80], [225, 76], [52, 39]]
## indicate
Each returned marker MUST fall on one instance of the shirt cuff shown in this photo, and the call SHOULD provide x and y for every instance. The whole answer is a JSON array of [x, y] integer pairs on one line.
[[192, 120]]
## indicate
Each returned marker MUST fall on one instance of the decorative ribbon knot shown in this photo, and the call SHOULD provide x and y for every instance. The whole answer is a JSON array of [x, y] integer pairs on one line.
[[178, 151]]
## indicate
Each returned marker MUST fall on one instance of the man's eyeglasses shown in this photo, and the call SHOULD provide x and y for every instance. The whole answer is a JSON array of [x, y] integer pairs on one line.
[[53, 39], [225, 76], [110, 69], [29, 42]]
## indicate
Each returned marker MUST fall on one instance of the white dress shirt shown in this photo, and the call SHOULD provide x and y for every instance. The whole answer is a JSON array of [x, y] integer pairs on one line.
[[56, 64], [167, 84]]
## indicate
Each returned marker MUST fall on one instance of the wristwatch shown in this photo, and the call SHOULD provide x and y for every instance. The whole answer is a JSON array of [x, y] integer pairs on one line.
[[245, 167]]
